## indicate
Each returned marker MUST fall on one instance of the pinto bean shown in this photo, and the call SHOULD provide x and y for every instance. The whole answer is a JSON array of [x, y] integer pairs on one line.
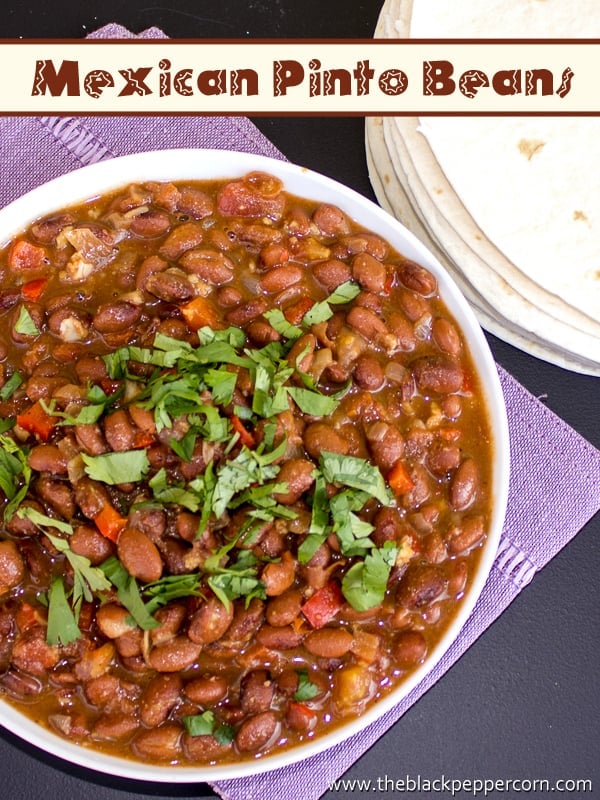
[[69, 325], [32, 654], [170, 285], [386, 444], [158, 744], [416, 278], [256, 691], [320, 436], [370, 273], [332, 273], [90, 439], [279, 638], [255, 732], [12, 566], [446, 336], [367, 323], [119, 431], [242, 199], [207, 690], [184, 237], [243, 314], [204, 748], [89, 542], [278, 576], [464, 485], [466, 534], [210, 265], [171, 618], [284, 608], [114, 726], [330, 220], [297, 473], [57, 495], [420, 585], [158, 699], [91, 497], [210, 622], [279, 278], [46, 230], [116, 317], [90, 368], [440, 374], [368, 373], [328, 642], [443, 458], [174, 655], [47, 458], [195, 203], [112, 619], [246, 621], [150, 224], [409, 649], [274, 254], [139, 555], [261, 332]]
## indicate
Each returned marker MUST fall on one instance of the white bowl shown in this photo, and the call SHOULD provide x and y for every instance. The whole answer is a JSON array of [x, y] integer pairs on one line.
[[173, 165]]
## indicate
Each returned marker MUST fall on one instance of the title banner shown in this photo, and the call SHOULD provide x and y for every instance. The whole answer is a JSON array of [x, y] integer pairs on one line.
[[278, 77]]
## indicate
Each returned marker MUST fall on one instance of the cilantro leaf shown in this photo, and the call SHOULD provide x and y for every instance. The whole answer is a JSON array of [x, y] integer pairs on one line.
[[357, 474], [128, 593], [365, 583], [306, 690], [11, 385], [25, 325], [128, 466], [15, 474], [62, 623]]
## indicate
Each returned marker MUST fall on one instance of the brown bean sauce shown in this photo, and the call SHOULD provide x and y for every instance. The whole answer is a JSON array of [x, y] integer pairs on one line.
[[245, 468]]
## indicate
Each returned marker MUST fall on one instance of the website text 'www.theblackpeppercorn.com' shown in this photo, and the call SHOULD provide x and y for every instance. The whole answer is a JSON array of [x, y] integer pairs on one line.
[[454, 787]]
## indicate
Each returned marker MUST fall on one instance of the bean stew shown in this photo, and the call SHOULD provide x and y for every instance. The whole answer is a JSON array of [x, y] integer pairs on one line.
[[245, 470]]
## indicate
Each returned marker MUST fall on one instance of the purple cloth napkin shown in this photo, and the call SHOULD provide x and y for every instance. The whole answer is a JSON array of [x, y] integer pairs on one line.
[[546, 452]]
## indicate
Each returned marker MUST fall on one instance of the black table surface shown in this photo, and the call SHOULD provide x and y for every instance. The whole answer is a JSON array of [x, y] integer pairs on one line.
[[523, 702]]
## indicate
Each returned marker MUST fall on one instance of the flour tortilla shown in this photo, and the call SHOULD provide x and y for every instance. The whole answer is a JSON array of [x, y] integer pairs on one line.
[[523, 299], [392, 197]]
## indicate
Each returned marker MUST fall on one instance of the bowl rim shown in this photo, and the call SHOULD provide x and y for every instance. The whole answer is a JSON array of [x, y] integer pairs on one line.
[[182, 164]]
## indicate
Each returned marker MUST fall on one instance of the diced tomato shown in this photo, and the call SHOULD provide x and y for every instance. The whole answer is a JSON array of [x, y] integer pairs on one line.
[[36, 421], [246, 437], [32, 290], [200, 312], [110, 523], [324, 604], [399, 479]]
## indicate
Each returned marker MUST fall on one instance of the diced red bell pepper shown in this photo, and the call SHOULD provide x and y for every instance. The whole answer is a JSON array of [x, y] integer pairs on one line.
[[32, 290], [109, 522], [324, 604], [399, 479], [37, 421], [294, 313], [246, 436], [200, 312]]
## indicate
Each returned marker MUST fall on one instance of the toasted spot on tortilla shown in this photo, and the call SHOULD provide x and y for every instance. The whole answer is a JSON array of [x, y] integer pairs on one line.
[[580, 216], [529, 147]]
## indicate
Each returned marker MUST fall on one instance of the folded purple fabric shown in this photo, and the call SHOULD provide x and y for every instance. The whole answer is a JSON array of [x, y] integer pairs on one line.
[[546, 452]]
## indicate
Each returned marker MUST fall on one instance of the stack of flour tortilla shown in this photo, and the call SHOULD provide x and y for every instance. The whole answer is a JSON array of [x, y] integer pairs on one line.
[[509, 205]]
